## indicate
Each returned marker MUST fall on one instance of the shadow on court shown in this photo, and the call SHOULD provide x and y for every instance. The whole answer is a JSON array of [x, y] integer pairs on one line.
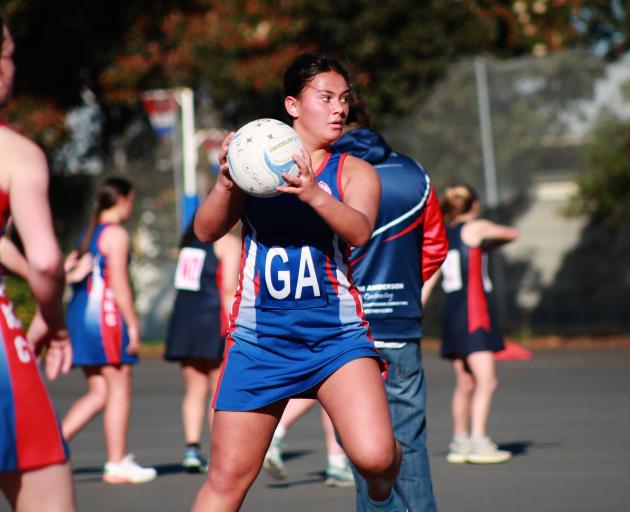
[[564, 415]]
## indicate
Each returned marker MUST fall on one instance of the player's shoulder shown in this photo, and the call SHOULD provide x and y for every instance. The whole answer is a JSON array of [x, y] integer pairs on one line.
[[355, 164], [14, 144]]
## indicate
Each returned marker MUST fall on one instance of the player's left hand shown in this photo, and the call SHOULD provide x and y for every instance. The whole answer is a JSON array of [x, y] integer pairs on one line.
[[58, 355], [304, 185]]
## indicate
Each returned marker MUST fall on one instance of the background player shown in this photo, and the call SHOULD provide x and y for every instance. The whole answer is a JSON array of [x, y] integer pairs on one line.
[[470, 333], [407, 247], [34, 469], [314, 343], [205, 280], [105, 332]]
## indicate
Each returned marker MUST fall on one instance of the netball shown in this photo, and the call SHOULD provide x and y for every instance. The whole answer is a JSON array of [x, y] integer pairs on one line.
[[260, 152]]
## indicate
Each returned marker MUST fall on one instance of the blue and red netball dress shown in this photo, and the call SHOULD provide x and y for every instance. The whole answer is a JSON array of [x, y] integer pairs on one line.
[[469, 325], [97, 330], [297, 316], [197, 328], [30, 436]]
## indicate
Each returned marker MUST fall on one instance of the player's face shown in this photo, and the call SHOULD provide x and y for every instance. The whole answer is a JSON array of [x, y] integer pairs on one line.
[[322, 108], [7, 68], [126, 205]]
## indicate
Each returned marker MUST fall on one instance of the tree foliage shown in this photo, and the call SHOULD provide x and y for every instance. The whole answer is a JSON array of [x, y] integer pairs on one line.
[[234, 51], [604, 192]]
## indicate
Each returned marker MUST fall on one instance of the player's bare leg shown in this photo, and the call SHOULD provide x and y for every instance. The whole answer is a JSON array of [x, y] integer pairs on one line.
[[239, 443], [354, 398], [47, 489]]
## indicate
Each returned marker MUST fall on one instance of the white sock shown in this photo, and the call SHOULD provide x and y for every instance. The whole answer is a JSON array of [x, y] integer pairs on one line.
[[338, 460], [280, 432], [460, 438]]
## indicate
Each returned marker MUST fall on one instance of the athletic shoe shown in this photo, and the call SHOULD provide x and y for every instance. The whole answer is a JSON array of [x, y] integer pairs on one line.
[[458, 452], [273, 463], [127, 471], [339, 476], [485, 451], [194, 462]]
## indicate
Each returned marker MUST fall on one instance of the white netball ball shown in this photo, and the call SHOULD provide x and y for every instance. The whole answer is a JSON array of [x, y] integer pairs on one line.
[[260, 152]]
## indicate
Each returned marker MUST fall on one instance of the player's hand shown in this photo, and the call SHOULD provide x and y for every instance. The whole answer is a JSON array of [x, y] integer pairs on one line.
[[304, 185], [134, 341], [58, 355], [77, 268], [224, 178]]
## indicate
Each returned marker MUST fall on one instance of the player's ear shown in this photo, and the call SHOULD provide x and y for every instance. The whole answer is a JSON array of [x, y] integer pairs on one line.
[[291, 106]]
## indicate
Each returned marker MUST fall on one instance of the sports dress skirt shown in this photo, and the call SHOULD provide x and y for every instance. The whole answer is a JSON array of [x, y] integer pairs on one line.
[[97, 330], [30, 435]]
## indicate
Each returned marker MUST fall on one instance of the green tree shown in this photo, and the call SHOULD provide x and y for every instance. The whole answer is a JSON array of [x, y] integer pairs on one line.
[[604, 191]]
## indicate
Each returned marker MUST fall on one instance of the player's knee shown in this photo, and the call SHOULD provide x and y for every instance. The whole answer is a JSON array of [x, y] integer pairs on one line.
[[377, 459], [230, 479], [98, 397]]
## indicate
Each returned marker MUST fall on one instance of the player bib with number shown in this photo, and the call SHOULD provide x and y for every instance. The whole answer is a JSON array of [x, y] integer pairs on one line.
[[189, 268]]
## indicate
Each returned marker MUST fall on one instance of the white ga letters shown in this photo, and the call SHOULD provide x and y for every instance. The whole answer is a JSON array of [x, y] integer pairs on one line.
[[306, 278]]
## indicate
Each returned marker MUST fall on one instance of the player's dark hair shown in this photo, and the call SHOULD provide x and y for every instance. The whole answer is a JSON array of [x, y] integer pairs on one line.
[[110, 190], [457, 199], [305, 67]]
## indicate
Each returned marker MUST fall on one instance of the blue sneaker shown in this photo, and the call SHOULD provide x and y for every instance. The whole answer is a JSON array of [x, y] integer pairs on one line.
[[194, 462]]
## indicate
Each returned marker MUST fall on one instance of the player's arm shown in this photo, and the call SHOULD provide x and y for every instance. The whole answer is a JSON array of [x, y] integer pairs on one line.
[[12, 259], [487, 232], [114, 244], [429, 285], [223, 206], [354, 218], [228, 251], [434, 242], [28, 173]]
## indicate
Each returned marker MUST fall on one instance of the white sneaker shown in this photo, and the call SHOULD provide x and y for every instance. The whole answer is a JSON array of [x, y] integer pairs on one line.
[[484, 451], [127, 471], [458, 451], [273, 463]]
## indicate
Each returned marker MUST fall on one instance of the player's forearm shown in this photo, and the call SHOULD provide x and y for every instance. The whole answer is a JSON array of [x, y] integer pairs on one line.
[[218, 213], [350, 224], [46, 280], [124, 300]]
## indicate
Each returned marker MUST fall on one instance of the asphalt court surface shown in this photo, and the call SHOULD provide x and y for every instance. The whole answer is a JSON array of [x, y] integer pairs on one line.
[[565, 415]]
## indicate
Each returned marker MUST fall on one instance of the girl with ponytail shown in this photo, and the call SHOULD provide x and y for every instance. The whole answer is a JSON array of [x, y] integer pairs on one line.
[[105, 332]]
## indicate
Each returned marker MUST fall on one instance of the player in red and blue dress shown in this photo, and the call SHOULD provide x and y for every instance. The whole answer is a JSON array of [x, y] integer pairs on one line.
[[30, 436], [97, 330], [105, 332], [291, 288], [470, 334], [297, 325], [34, 470]]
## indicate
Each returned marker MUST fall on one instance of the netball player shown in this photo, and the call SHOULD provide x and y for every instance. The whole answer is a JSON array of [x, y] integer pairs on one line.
[[297, 328], [34, 469], [105, 332], [470, 333]]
